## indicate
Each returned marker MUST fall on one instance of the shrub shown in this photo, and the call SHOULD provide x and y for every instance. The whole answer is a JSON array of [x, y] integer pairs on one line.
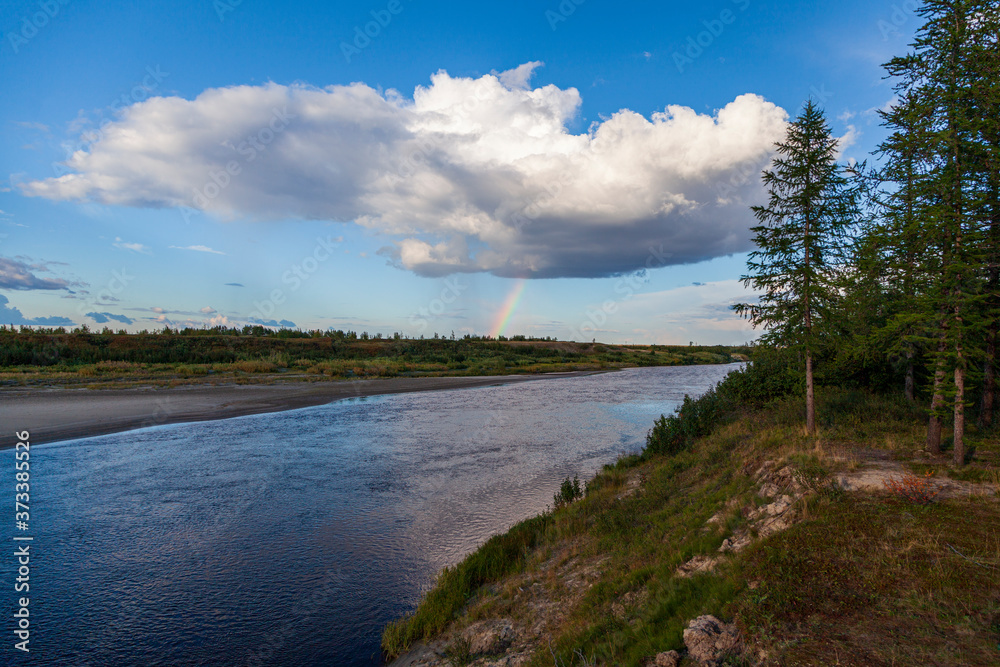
[[258, 366], [568, 492], [695, 418], [917, 490], [771, 374]]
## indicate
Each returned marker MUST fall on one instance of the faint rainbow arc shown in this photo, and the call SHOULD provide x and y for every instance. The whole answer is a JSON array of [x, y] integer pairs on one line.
[[507, 310]]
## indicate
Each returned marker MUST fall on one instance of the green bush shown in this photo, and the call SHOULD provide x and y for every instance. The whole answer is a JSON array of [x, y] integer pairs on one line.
[[770, 374], [695, 418], [568, 492]]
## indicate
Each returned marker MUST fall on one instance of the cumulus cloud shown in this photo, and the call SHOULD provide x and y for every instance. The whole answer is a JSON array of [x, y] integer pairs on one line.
[[11, 315], [103, 318], [19, 275], [208, 310], [465, 175], [198, 248]]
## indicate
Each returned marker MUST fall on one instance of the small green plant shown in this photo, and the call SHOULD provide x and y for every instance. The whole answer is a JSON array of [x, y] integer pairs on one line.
[[569, 491], [459, 652]]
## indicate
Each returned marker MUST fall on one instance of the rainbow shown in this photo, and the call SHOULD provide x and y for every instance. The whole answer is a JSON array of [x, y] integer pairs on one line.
[[509, 306]]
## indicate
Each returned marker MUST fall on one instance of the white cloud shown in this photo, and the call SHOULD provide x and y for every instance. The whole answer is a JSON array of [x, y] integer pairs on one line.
[[849, 139], [134, 247], [700, 311], [872, 113], [198, 248], [466, 175], [519, 77], [208, 310]]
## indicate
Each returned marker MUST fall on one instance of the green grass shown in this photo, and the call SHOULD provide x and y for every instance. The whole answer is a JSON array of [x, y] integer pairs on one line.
[[871, 582], [501, 555], [862, 580]]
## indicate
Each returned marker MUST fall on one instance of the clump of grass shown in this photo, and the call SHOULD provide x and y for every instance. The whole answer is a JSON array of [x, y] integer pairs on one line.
[[459, 651], [255, 366], [117, 366], [501, 555]]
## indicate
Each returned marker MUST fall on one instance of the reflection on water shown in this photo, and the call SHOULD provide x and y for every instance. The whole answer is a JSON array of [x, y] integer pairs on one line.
[[291, 538]]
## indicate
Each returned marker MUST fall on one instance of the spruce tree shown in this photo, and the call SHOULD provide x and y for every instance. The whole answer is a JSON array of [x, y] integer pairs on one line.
[[799, 242], [938, 83]]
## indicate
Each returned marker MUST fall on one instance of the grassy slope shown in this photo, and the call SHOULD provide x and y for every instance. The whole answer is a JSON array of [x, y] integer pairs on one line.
[[862, 579], [112, 359]]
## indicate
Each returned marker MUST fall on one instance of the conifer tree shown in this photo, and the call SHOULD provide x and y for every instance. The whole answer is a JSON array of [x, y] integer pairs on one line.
[[985, 61], [799, 242], [938, 82]]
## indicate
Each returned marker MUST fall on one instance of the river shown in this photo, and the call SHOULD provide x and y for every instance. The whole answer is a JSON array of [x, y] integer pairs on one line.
[[291, 538]]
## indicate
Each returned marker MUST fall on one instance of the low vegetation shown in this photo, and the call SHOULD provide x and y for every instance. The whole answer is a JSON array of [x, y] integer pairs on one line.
[[876, 576]]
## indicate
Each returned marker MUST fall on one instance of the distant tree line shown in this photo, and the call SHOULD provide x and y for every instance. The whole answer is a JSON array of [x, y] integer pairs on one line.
[[261, 331]]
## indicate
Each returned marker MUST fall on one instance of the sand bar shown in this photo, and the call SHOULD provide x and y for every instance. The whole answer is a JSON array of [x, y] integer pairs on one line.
[[62, 414]]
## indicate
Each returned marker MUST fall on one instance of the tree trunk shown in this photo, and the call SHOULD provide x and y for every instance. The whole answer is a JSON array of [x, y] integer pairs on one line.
[[810, 397], [934, 425], [959, 459], [989, 378], [909, 387], [992, 299]]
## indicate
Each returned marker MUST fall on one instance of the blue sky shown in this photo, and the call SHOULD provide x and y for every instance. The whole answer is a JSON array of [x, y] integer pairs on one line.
[[596, 159]]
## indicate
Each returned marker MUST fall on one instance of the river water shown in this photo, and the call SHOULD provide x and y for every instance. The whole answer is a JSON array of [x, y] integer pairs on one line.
[[291, 538]]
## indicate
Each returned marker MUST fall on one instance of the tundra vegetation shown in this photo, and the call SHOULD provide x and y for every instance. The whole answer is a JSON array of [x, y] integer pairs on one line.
[[255, 354]]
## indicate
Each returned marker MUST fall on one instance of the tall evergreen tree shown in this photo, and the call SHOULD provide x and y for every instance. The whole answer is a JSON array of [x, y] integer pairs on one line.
[[937, 83], [985, 62], [893, 251], [799, 242]]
